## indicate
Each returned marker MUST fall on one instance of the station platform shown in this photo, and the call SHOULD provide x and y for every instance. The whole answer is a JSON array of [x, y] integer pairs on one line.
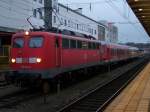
[[135, 97]]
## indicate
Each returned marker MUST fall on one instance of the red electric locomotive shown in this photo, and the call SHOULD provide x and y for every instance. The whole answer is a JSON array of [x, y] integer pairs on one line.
[[44, 55]]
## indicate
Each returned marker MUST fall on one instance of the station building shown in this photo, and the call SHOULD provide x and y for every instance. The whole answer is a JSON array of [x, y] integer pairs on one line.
[[66, 18], [112, 31]]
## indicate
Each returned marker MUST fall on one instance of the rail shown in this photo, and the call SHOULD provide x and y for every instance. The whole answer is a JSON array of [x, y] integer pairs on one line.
[[97, 99]]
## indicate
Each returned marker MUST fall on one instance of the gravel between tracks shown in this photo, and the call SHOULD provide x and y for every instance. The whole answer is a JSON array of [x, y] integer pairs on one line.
[[55, 101]]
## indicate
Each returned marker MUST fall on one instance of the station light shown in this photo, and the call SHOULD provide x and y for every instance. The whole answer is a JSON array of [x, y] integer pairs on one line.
[[140, 9]]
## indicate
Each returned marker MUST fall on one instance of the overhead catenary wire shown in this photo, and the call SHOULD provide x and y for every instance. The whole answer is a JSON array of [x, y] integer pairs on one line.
[[87, 3], [111, 4], [16, 11]]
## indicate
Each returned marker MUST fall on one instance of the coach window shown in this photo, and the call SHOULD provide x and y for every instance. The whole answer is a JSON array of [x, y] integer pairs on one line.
[[36, 42], [114, 52], [72, 43], [65, 43], [18, 43], [102, 50], [111, 51]]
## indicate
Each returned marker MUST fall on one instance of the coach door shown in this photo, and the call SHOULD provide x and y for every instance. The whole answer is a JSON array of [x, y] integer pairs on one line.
[[58, 52]]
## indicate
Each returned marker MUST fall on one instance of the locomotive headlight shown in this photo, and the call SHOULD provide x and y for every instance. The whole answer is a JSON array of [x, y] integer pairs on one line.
[[13, 60], [38, 60], [26, 33]]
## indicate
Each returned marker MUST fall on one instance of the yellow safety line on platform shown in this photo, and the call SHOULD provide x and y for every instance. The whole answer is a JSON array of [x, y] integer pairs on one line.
[[135, 97]]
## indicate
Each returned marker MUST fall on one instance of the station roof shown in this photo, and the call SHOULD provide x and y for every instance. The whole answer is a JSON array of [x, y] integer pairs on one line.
[[141, 8]]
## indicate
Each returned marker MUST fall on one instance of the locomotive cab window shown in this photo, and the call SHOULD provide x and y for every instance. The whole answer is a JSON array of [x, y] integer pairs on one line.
[[36, 42], [65, 43], [72, 43], [18, 43]]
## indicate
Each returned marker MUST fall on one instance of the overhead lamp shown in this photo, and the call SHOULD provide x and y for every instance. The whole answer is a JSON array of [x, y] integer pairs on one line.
[[140, 9]]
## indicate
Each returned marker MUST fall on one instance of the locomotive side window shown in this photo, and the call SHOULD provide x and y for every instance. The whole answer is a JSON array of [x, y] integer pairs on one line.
[[72, 43], [79, 44], [94, 46], [18, 43], [65, 43], [84, 45], [89, 45], [97, 45], [35, 42]]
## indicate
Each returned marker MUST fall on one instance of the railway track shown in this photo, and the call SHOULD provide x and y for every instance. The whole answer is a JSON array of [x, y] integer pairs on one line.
[[3, 83], [2, 78], [13, 99], [97, 99]]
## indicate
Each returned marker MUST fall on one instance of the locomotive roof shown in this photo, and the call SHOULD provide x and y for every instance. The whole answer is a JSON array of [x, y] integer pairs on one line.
[[114, 45], [110, 45]]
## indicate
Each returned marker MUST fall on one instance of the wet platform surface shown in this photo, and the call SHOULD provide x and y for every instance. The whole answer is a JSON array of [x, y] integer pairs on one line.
[[135, 97]]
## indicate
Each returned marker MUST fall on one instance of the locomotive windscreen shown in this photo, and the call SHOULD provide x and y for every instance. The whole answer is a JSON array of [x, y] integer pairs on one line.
[[35, 42], [18, 43], [32, 42]]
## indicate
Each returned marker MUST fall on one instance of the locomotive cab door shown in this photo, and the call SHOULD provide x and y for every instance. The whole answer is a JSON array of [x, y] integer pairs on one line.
[[58, 52]]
